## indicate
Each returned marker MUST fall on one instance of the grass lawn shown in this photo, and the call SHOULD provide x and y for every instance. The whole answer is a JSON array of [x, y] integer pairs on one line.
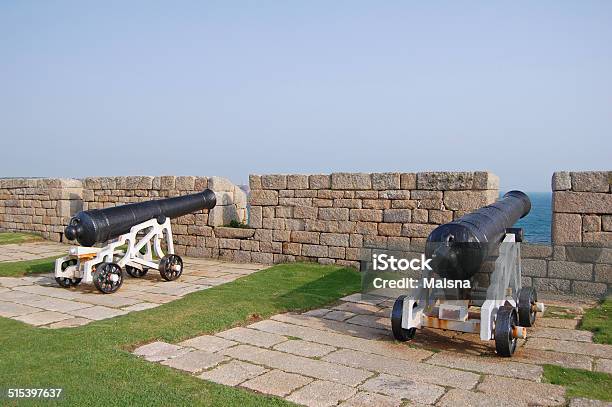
[[17, 237], [580, 383], [598, 320], [22, 268], [93, 364]]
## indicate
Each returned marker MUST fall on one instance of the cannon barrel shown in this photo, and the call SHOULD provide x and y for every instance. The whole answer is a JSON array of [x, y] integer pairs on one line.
[[100, 225], [459, 248]]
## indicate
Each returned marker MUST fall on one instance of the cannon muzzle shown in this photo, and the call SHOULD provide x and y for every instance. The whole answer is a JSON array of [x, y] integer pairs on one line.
[[459, 248], [100, 225]]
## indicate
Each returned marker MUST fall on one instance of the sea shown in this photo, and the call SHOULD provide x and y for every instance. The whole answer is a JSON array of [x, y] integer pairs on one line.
[[537, 224]]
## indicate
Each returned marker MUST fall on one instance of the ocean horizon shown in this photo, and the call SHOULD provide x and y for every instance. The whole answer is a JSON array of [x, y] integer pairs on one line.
[[537, 224]]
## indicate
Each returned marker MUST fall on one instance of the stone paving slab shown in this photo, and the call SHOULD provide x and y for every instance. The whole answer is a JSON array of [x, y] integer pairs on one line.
[[20, 296], [297, 364], [367, 399], [581, 348], [458, 397], [603, 365], [160, 351], [43, 318], [208, 343], [582, 402], [491, 365], [416, 371], [233, 373], [252, 337], [304, 348], [322, 394], [540, 357], [403, 388], [557, 323], [542, 394], [562, 334], [277, 383], [361, 331], [194, 361]]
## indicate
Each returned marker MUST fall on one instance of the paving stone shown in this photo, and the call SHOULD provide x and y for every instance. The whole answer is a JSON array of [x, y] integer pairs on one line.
[[317, 313], [542, 394], [304, 348], [372, 321], [603, 365], [150, 297], [338, 315], [541, 357], [417, 371], [367, 399], [51, 304], [402, 388], [322, 394], [581, 348], [252, 336], [70, 323], [194, 361], [159, 351], [141, 306], [98, 312], [343, 341], [233, 373], [11, 282], [42, 318], [458, 397], [277, 382], [208, 343], [12, 295], [557, 323], [360, 331], [562, 334], [582, 402], [297, 364], [490, 365], [357, 308], [363, 298], [55, 292], [11, 309]]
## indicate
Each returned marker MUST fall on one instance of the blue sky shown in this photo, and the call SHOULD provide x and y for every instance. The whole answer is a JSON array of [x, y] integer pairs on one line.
[[231, 88]]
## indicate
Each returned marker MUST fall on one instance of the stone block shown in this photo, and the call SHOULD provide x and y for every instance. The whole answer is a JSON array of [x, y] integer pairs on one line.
[[319, 181], [606, 223], [420, 216], [394, 194], [440, 217], [536, 251], [591, 223], [389, 229], [322, 393], [350, 203], [274, 181], [570, 270], [255, 217], [443, 181], [386, 180], [305, 212], [403, 388], [554, 285], [408, 181], [533, 267], [561, 181], [297, 181], [305, 237], [277, 382], [417, 230], [533, 393], [234, 233], [185, 183], [334, 213], [485, 180], [398, 243], [566, 228], [468, 200], [222, 215], [220, 184], [334, 239], [264, 197], [589, 289], [582, 202], [255, 182], [366, 215], [311, 250], [598, 238], [421, 194], [397, 215], [591, 181], [233, 373], [366, 194], [345, 180], [582, 254], [195, 361], [603, 273], [376, 204]]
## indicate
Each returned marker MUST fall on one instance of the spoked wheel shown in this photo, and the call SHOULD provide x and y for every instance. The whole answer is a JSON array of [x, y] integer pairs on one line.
[[399, 333], [135, 271], [527, 299], [171, 267], [67, 282], [505, 322], [108, 277]]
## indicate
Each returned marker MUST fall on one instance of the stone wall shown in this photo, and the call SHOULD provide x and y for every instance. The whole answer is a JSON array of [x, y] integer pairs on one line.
[[38, 205], [582, 207], [191, 231], [329, 217]]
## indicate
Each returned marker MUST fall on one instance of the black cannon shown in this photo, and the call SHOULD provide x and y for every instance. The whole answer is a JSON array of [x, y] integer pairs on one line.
[[459, 248], [133, 235], [101, 225]]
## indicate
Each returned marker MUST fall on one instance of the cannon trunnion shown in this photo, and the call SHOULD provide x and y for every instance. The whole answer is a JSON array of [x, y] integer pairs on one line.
[[133, 235]]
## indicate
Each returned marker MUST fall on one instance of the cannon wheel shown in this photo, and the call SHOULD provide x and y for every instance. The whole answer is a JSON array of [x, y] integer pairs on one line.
[[171, 267], [108, 277], [399, 333], [65, 281], [527, 298], [135, 271], [506, 320]]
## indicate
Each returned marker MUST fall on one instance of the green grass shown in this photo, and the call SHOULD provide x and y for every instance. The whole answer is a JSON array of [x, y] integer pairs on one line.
[[554, 311], [580, 383], [17, 237], [93, 364], [598, 320], [22, 268]]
